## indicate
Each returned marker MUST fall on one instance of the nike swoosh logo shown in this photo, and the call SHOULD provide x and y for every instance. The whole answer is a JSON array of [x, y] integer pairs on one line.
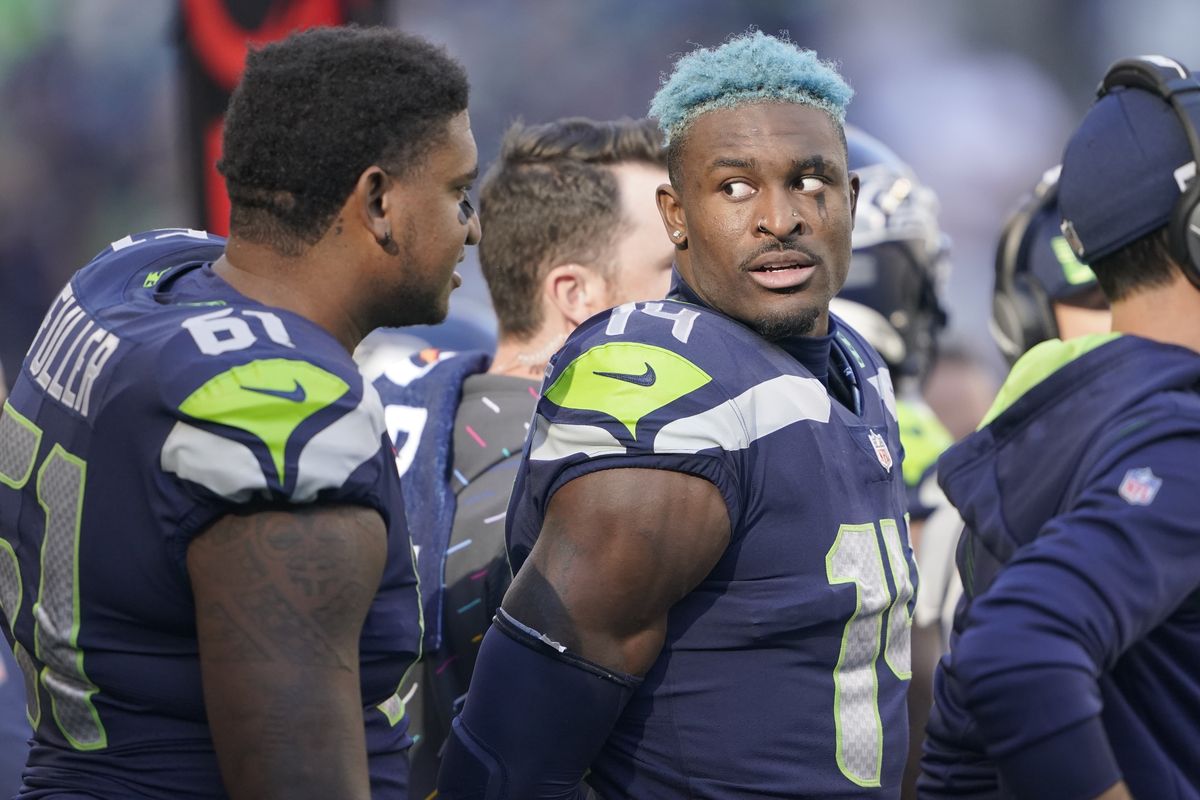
[[296, 394], [645, 379]]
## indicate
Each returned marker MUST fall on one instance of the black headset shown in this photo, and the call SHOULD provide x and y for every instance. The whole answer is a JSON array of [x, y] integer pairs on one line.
[[1174, 83], [1022, 313]]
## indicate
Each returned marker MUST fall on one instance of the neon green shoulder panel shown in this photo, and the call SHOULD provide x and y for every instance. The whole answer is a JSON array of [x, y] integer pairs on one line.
[[625, 380], [268, 398], [1039, 364]]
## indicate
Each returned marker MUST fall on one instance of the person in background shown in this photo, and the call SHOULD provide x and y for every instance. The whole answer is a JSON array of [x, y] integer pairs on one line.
[[891, 297], [1072, 667], [1041, 291], [205, 570], [713, 582], [572, 230]]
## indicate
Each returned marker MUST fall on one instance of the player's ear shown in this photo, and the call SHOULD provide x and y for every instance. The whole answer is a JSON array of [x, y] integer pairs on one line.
[[854, 184], [671, 211], [372, 205], [574, 292]]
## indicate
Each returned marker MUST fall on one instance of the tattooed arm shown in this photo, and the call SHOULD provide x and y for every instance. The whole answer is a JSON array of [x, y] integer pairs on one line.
[[280, 602]]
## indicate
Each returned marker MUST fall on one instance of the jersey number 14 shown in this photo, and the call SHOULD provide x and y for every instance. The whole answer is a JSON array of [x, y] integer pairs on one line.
[[857, 557]]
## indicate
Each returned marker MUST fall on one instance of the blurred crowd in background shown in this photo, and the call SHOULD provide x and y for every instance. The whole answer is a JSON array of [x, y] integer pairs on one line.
[[97, 135]]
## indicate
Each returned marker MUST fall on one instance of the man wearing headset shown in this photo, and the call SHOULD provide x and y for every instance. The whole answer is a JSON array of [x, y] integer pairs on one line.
[[1072, 673], [1042, 290]]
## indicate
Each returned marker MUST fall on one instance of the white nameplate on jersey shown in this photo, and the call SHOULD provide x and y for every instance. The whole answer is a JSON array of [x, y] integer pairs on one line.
[[69, 353], [881, 450], [1139, 487]]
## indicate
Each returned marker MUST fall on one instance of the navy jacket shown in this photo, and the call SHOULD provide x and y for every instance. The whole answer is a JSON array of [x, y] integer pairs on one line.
[[1076, 647]]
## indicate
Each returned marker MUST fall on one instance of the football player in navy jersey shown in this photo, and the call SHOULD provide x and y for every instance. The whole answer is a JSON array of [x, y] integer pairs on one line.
[[205, 570], [714, 585], [1072, 667]]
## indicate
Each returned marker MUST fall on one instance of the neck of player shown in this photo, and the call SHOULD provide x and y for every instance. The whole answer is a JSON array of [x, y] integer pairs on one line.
[[1166, 313], [263, 274]]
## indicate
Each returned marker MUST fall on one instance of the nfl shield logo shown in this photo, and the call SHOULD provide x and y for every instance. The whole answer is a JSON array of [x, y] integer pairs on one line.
[[1139, 487], [881, 450]]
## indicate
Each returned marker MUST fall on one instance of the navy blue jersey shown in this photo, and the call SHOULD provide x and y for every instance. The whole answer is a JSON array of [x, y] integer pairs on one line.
[[154, 400], [784, 671], [1073, 660]]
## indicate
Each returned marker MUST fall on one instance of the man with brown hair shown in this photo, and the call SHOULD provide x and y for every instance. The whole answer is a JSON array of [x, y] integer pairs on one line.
[[572, 230]]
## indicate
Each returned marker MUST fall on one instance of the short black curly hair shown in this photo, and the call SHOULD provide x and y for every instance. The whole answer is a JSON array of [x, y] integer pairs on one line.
[[314, 110]]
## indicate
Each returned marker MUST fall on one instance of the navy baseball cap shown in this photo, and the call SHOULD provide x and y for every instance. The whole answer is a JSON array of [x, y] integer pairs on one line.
[[1051, 259], [1123, 171]]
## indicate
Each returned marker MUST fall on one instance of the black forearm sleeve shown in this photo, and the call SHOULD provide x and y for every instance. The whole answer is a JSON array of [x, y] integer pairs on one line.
[[535, 718]]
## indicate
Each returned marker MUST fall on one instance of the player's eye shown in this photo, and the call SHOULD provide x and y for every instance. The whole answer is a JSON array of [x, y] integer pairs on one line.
[[738, 190], [810, 183]]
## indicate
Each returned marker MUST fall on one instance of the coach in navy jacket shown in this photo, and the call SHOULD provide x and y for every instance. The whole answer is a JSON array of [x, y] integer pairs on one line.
[[1075, 665]]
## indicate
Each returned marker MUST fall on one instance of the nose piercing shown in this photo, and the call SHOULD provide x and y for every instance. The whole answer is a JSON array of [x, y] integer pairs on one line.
[[795, 213]]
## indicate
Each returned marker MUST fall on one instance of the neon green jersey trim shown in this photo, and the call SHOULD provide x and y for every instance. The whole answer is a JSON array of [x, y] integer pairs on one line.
[[626, 380], [1074, 270], [268, 398], [924, 438], [1039, 364]]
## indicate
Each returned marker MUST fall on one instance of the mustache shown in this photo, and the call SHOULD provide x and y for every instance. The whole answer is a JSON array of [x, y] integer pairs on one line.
[[794, 249]]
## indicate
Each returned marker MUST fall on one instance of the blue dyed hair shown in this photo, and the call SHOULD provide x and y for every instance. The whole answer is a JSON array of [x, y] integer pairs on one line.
[[750, 68]]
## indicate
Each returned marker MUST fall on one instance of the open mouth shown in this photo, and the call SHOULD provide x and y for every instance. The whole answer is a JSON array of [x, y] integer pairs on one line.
[[782, 275]]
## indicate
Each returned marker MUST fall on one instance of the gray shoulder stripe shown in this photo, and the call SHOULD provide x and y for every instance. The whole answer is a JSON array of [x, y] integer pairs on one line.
[[329, 457], [552, 441], [223, 466], [757, 412]]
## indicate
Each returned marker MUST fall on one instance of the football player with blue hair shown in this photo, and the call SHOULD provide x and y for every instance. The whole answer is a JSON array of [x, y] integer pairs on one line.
[[713, 585]]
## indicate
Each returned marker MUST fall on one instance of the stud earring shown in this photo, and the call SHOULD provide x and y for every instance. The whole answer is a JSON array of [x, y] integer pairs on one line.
[[677, 234]]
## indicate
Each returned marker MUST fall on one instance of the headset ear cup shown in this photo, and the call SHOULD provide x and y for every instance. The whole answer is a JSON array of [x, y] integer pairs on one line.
[[1006, 326], [1185, 235], [1037, 312], [1022, 316]]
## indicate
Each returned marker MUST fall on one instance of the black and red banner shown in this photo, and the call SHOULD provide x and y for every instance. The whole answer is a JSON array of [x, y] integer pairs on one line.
[[216, 36]]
